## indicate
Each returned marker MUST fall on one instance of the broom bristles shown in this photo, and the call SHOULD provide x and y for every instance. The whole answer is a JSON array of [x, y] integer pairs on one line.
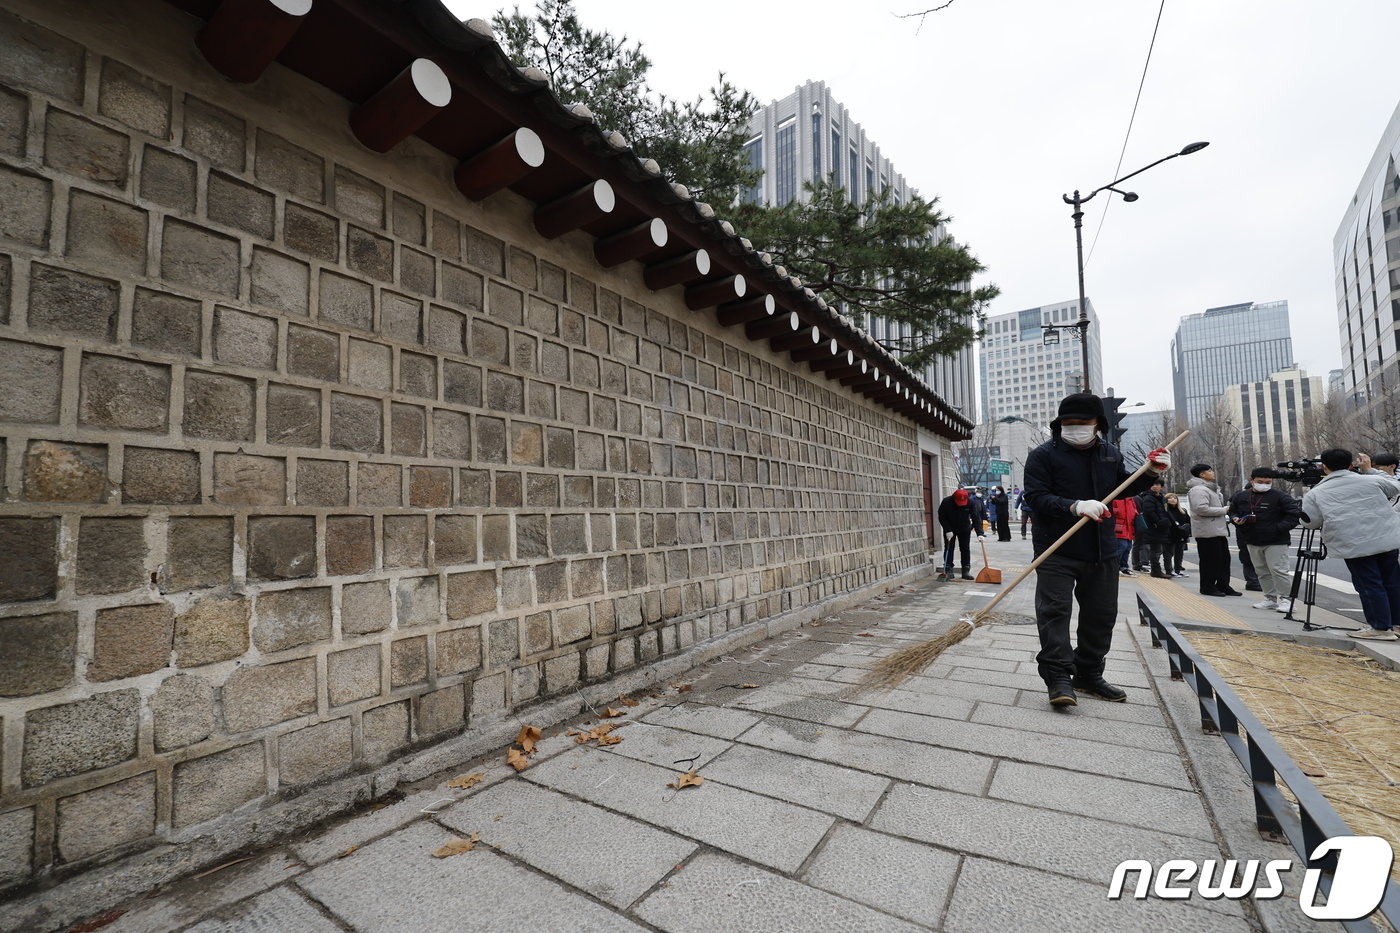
[[893, 670]]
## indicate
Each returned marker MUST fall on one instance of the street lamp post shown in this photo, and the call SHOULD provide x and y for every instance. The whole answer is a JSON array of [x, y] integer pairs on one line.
[[1078, 202]]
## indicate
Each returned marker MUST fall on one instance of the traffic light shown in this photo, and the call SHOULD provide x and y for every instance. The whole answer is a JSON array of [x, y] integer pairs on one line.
[[1115, 418]]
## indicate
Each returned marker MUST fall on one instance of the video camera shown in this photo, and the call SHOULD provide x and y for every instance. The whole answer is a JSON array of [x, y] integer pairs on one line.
[[1307, 472]]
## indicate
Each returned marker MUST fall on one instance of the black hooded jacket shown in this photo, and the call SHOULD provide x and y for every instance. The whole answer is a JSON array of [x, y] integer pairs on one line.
[[1058, 474], [1275, 512]]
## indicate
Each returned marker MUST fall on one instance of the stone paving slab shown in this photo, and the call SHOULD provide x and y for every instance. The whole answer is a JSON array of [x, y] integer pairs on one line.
[[717, 721], [281, 910], [1021, 745], [905, 878], [777, 701], [1114, 712], [715, 893], [817, 785], [395, 885], [669, 748], [907, 761], [1048, 840], [953, 688], [981, 904], [759, 828], [192, 898], [1080, 722], [1136, 804], [614, 858]]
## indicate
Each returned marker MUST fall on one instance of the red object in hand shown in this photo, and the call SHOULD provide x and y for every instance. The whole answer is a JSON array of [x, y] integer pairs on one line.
[[1161, 457]]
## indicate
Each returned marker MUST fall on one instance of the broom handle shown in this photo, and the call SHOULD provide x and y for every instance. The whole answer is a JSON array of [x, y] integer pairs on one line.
[[1073, 528], [986, 564]]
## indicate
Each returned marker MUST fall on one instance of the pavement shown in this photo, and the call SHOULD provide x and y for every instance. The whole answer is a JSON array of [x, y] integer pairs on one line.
[[960, 801]]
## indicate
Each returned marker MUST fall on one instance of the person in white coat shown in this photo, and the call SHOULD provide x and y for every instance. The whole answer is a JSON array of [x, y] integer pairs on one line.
[[1354, 512]]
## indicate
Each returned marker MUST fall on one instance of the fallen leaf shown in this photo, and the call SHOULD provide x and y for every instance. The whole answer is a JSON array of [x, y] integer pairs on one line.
[[517, 760], [527, 738], [609, 739], [222, 867], [457, 846], [748, 686], [689, 779], [611, 713], [628, 701], [466, 780], [497, 817], [350, 851]]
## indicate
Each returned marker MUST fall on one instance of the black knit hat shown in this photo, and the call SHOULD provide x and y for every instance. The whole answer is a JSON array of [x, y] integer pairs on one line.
[[1081, 405]]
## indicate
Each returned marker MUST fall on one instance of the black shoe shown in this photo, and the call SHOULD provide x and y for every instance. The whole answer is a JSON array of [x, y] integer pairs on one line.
[[1214, 593], [1100, 688], [1062, 694], [1252, 586], [1229, 591], [967, 576], [1161, 576]]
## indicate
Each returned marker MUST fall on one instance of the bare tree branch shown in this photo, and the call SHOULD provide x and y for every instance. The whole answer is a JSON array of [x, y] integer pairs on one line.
[[941, 6]]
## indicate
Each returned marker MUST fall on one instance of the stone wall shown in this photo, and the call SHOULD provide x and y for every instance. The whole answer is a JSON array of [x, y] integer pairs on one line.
[[308, 462]]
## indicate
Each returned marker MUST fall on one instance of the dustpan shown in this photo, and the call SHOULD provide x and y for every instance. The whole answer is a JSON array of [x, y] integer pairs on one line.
[[988, 573]]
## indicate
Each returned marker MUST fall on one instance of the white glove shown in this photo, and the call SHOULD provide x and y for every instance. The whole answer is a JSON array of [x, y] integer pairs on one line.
[[1090, 508], [1160, 459]]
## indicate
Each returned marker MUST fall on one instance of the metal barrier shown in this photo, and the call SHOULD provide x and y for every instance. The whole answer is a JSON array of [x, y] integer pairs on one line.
[[1304, 825]]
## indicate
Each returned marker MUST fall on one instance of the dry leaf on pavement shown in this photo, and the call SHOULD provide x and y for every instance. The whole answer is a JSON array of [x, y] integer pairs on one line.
[[748, 686], [466, 780], [349, 851], [683, 688], [689, 779], [611, 713], [598, 734], [609, 739], [628, 701], [457, 846], [527, 738], [516, 760]]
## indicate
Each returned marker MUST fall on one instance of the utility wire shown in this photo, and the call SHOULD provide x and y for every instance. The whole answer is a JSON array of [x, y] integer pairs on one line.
[[1142, 81]]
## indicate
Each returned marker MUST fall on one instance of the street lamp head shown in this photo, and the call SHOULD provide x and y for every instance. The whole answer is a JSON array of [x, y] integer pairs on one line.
[[1129, 196], [1192, 147]]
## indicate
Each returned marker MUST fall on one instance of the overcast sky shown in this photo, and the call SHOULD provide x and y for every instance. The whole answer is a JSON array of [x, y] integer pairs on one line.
[[998, 107]]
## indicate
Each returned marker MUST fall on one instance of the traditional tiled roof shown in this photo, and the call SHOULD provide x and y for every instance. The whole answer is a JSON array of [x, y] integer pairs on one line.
[[413, 68]]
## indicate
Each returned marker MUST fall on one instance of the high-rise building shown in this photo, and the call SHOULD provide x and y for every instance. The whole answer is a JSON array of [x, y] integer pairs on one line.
[[1225, 346], [1021, 376], [1269, 413], [1142, 431], [1366, 256], [808, 135]]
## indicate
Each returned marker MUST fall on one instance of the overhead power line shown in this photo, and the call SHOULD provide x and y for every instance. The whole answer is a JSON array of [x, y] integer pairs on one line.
[[1122, 152]]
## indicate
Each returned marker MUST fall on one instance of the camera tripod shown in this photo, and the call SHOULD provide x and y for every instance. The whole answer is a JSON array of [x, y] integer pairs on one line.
[[1305, 580]]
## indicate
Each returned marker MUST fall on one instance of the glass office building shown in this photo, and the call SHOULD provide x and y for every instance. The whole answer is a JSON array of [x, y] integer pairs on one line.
[[1366, 257], [1021, 377], [1226, 346], [808, 135]]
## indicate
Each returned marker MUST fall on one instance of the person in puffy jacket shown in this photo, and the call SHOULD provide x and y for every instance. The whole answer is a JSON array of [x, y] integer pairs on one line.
[[1125, 529], [1179, 536], [1358, 525], [1067, 478], [1206, 506], [1154, 528], [1001, 502], [960, 515], [1263, 517]]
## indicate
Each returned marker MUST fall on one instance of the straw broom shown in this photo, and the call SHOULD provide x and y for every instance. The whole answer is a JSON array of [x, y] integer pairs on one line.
[[890, 672]]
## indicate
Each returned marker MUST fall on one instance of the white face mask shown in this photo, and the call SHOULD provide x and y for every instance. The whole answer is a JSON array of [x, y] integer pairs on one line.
[[1080, 435], [1262, 487]]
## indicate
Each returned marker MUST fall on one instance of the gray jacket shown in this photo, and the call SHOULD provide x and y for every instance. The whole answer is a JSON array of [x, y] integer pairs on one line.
[[1206, 506], [1354, 513]]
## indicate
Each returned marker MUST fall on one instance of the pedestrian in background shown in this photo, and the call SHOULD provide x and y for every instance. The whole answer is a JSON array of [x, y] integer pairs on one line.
[[1251, 576], [1263, 517], [1358, 525], [1154, 528], [1002, 504], [1125, 530], [1179, 535], [1025, 508], [1206, 506]]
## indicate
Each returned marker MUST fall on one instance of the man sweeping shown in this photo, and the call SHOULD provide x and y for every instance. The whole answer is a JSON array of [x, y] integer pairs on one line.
[[1067, 477]]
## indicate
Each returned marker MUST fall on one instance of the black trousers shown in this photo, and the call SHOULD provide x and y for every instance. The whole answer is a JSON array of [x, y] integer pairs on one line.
[[1152, 550], [1215, 563], [1025, 517], [1059, 582], [1003, 527], [964, 539], [1176, 551]]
